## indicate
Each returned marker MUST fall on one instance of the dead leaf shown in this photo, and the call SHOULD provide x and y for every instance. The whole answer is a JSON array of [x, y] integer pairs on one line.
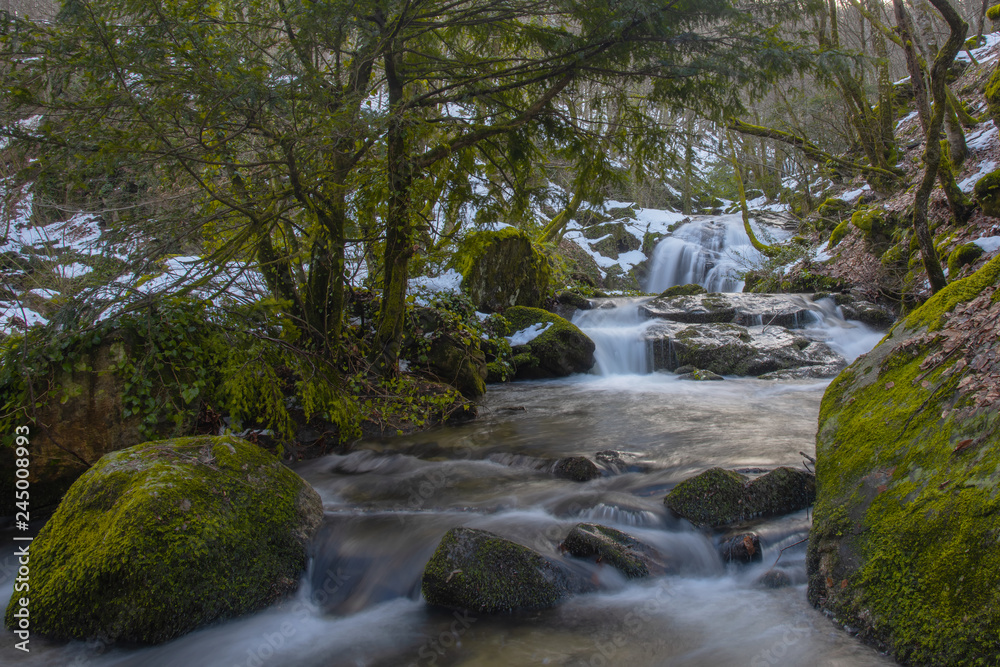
[[890, 385], [964, 444]]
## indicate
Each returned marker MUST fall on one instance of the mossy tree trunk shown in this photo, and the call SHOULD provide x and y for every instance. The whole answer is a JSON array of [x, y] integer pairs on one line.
[[738, 173], [932, 152]]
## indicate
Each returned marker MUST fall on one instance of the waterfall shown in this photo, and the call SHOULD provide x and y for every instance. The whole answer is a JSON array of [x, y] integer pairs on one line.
[[710, 252], [617, 330]]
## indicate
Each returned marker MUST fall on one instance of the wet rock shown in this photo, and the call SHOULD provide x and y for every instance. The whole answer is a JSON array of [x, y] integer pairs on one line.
[[805, 372], [576, 468], [158, 539], [620, 550], [482, 572], [562, 349], [731, 349], [781, 491], [700, 375], [748, 309], [612, 239], [878, 317], [574, 299], [715, 497], [773, 579], [742, 548], [719, 497], [684, 370]]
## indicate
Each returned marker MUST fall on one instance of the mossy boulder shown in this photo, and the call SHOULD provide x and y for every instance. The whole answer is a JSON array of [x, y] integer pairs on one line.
[[833, 208], [682, 290], [620, 550], [839, 232], [576, 468], [992, 93], [612, 239], [719, 497], [905, 543], [993, 13], [871, 221], [562, 349], [161, 538], [502, 269], [962, 256], [480, 571], [987, 191]]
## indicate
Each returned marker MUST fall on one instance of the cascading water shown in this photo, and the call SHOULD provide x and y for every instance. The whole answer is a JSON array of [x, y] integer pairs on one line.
[[616, 329], [710, 252]]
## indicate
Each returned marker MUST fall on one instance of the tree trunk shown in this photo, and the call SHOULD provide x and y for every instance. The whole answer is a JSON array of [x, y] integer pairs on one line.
[[905, 25], [399, 230]]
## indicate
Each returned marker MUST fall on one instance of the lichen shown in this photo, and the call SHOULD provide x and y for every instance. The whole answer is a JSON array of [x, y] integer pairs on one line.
[[158, 539]]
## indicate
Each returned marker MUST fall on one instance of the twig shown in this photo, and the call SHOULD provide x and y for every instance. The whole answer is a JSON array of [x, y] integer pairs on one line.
[[804, 539]]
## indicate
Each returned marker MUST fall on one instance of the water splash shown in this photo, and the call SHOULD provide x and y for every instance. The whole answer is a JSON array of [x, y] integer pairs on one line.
[[617, 329]]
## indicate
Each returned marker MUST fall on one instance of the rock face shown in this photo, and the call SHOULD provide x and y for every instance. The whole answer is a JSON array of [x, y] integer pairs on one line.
[[731, 349], [619, 550], [158, 539], [482, 572], [720, 497], [502, 269], [781, 310], [562, 349], [904, 543]]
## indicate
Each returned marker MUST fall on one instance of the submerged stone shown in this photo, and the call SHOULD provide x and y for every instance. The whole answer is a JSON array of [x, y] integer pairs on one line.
[[482, 572], [618, 549], [742, 548], [700, 375], [773, 579], [164, 537], [576, 468]]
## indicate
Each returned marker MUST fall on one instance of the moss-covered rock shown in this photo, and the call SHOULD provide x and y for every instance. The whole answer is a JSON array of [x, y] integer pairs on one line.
[[839, 232], [833, 207], [620, 550], [576, 468], [712, 498], [871, 221], [905, 543], [993, 13], [482, 572], [161, 538], [992, 93], [699, 375], [502, 269], [961, 256], [682, 290], [987, 190], [562, 349], [719, 497], [613, 238]]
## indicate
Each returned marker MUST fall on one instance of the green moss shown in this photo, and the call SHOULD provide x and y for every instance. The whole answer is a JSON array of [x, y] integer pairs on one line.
[[713, 498], [683, 290], [987, 192], [839, 232], [562, 349], [871, 221], [833, 207], [501, 269], [158, 539], [992, 94], [993, 13], [617, 549], [906, 537], [962, 256], [479, 571]]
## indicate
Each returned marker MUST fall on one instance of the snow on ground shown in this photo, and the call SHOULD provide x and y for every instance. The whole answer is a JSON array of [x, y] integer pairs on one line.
[[988, 243], [908, 117], [425, 287], [984, 54], [968, 184], [854, 194], [525, 336], [983, 138]]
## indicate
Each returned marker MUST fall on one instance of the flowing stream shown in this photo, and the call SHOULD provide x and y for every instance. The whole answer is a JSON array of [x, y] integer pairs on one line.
[[389, 502]]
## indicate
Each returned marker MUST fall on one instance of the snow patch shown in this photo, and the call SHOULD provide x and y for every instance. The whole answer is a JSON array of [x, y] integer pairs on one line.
[[525, 336], [984, 138], [968, 184], [988, 243], [854, 194]]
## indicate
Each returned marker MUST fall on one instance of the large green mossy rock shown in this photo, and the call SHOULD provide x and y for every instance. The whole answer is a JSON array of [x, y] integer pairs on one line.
[[161, 538], [562, 349], [987, 191], [905, 543], [502, 269], [482, 572]]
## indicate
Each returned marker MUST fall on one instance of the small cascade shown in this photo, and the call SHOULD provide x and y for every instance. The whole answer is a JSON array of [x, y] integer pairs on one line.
[[849, 338], [617, 330], [709, 252]]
